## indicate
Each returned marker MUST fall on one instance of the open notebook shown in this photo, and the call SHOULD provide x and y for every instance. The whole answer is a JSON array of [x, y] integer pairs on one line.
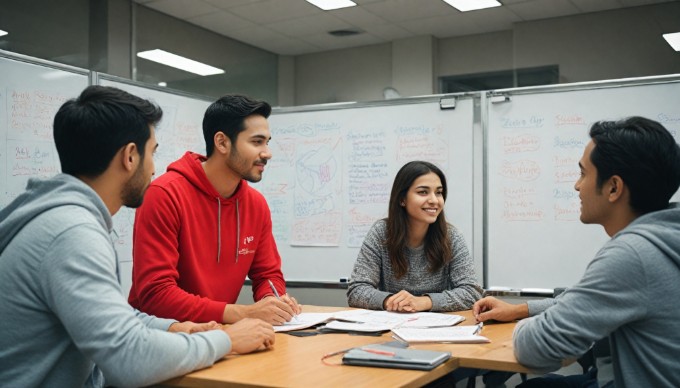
[[456, 335]]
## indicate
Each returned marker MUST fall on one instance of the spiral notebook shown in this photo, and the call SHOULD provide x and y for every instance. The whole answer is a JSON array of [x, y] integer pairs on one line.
[[391, 357]]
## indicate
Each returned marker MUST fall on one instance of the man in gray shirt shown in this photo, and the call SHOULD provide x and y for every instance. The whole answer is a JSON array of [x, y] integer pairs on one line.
[[61, 303], [629, 171]]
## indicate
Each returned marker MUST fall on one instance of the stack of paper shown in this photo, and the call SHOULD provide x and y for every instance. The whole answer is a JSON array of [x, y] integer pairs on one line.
[[362, 320]]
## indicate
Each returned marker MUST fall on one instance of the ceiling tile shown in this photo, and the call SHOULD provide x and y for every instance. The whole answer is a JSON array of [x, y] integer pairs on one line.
[[182, 9], [492, 19], [269, 11], [270, 40], [442, 26], [329, 42], [359, 17], [401, 10], [226, 4], [543, 9], [596, 6], [221, 22], [309, 25]]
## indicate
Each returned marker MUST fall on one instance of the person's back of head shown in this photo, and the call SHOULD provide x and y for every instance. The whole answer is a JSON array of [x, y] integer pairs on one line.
[[644, 154], [227, 115], [91, 129]]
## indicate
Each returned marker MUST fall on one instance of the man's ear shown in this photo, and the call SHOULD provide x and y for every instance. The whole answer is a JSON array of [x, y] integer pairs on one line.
[[130, 157], [222, 143], [616, 188]]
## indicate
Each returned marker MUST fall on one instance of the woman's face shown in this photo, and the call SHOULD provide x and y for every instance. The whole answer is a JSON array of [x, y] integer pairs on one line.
[[424, 199]]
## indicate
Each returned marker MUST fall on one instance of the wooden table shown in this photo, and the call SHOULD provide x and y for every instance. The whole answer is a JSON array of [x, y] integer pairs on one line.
[[296, 361]]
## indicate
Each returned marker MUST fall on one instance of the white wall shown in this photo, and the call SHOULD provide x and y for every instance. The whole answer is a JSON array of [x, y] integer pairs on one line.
[[602, 45], [358, 74]]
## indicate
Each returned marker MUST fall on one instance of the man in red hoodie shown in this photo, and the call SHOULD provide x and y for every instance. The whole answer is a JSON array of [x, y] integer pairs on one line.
[[202, 229]]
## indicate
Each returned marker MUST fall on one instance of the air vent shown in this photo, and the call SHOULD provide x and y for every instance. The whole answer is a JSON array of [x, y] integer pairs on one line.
[[341, 33]]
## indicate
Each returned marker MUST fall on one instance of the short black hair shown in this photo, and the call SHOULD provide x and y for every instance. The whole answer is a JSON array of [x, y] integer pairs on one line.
[[227, 114], [91, 129], [644, 154]]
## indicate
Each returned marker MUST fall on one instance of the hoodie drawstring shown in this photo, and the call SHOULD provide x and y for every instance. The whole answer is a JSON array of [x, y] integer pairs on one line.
[[238, 230], [219, 229]]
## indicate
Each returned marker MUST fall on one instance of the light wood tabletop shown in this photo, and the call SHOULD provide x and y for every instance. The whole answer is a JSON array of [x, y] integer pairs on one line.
[[296, 361]]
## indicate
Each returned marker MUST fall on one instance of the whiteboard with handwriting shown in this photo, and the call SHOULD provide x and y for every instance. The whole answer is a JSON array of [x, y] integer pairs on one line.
[[179, 130], [30, 96], [332, 170], [534, 144]]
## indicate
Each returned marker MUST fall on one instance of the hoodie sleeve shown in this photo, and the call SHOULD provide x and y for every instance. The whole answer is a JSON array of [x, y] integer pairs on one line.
[[611, 293], [155, 272], [79, 284]]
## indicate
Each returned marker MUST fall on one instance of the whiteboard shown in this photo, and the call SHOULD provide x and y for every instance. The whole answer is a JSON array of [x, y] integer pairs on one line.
[[534, 142], [30, 96], [179, 130], [332, 170]]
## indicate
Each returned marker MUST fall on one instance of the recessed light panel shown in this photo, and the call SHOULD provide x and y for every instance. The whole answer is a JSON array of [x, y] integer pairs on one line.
[[471, 5], [673, 39], [328, 5], [176, 61]]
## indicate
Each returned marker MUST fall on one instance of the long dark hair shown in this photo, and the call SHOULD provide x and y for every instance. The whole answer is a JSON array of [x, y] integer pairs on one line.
[[438, 247]]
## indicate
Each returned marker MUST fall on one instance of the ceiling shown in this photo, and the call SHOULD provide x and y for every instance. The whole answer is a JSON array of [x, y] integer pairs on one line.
[[294, 27]]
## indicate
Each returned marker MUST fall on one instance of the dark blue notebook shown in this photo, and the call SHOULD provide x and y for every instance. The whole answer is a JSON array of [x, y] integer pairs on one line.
[[392, 357]]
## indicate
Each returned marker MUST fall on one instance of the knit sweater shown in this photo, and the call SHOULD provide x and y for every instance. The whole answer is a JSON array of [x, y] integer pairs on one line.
[[453, 287]]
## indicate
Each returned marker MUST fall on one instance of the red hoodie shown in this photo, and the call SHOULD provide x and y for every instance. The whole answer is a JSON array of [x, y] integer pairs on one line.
[[192, 249]]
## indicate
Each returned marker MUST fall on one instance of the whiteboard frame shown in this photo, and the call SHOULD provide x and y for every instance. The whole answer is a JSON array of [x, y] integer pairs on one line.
[[45, 63], [533, 90], [476, 245], [97, 77]]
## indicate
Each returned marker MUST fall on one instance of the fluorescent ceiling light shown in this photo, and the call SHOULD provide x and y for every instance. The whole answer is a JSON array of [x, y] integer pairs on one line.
[[471, 5], [3, 33], [328, 5], [673, 39], [186, 64]]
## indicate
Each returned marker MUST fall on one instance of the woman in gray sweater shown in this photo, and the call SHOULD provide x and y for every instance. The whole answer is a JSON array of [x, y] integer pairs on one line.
[[414, 260]]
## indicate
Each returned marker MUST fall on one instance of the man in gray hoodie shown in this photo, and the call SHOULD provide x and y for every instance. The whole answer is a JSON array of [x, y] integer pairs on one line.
[[629, 171], [61, 303]]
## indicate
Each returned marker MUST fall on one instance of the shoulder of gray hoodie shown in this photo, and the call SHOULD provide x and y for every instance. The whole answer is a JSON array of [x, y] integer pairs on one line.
[[58, 269], [623, 293]]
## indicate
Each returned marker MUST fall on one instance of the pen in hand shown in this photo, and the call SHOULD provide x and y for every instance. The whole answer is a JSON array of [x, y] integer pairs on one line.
[[276, 294], [480, 325]]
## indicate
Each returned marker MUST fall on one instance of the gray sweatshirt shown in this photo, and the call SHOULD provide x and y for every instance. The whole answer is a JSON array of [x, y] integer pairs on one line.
[[61, 303], [629, 292], [452, 288]]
